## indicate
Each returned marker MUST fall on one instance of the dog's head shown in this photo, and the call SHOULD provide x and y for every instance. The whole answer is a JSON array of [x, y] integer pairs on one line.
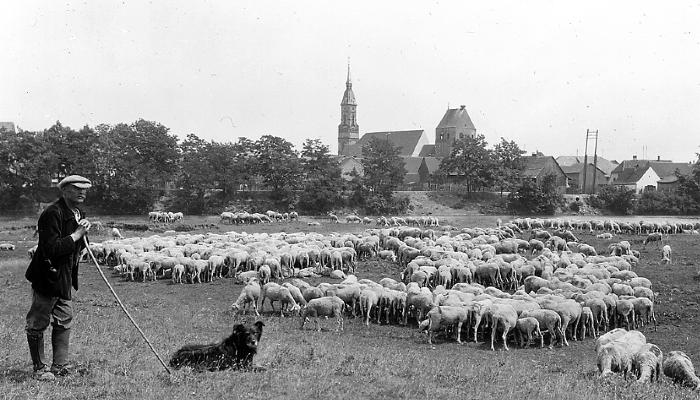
[[247, 337]]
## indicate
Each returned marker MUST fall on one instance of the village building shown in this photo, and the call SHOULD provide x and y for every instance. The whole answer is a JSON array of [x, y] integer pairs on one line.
[[537, 166], [641, 175]]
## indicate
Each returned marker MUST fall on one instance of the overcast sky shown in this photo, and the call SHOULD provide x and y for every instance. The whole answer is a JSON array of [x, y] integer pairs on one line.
[[538, 73]]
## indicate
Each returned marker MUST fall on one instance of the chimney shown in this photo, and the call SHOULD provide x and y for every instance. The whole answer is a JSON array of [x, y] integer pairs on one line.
[[658, 158], [462, 107], [634, 157]]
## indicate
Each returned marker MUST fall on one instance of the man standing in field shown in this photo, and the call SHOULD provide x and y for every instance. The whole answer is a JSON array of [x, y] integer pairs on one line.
[[53, 273]]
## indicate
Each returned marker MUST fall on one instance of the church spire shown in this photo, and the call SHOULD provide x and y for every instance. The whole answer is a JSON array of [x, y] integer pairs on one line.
[[348, 130], [348, 83]]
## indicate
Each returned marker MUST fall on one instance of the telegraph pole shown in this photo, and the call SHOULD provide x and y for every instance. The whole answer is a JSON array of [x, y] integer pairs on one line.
[[590, 134]]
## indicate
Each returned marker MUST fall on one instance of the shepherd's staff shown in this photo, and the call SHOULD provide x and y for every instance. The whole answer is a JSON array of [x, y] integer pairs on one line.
[[92, 256]]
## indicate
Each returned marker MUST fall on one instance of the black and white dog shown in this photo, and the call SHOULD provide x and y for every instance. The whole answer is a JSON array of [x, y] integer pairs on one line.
[[236, 351]]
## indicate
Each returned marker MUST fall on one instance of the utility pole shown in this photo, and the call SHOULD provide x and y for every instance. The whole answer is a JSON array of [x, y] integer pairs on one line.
[[595, 161], [590, 134]]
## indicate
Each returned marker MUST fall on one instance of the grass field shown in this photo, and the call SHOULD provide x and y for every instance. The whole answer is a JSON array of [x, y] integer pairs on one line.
[[377, 362]]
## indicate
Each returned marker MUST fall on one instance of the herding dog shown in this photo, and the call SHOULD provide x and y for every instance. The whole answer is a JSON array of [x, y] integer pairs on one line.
[[236, 351]]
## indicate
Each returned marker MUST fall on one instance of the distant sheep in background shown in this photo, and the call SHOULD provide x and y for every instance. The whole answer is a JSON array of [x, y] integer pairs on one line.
[[7, 247], [116, 234], [666, 256]]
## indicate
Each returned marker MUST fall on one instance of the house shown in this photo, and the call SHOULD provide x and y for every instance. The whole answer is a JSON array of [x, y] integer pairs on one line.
[[537, 167], [419, 169], [574, 174], [640, 175], [639, 178], [8, 126], [348, 164]]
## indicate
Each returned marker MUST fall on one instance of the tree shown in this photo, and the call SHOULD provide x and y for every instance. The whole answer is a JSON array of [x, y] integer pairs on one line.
[[531, 198], [508, 164], [384, 169], [279, 167], [323, 183], [196, 174], [618, 199], [471, 162]]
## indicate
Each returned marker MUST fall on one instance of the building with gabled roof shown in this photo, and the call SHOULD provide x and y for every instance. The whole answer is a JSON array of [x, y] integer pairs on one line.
[[410, 143], [8, 126], [639, 178], [537, 167], [605, 165], [574, 174], [454, 125], [642, 175]]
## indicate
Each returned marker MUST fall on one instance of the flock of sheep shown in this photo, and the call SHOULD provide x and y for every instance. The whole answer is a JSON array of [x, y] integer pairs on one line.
[[166, 217], [244, 217], [486, 281]]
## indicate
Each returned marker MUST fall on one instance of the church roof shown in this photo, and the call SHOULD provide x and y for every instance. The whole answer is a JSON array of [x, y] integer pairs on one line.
[[406, 141], [456, 118]]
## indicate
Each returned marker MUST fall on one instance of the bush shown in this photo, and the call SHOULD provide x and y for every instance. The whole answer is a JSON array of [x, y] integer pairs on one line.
[[617, 199], [530, 198]]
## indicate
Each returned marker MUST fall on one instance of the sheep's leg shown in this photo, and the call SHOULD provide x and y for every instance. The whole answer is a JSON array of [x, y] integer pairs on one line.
[[459, 332], [493, 335], [505, 334]]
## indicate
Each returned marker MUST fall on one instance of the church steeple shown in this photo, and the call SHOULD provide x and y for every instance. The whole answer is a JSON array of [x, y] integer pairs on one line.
[[348, 130]]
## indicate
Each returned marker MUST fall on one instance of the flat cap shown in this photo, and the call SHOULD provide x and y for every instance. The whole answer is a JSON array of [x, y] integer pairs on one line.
[[78, 181]]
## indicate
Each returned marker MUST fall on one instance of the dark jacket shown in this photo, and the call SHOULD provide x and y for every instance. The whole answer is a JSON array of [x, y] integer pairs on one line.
[[54, 267]]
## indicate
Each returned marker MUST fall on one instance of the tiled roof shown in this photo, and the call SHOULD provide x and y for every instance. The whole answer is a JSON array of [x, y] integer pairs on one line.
[[566, 161], [456, 117], [664, 169], [412, 164], [603, 164], [433, 163], [406, 141], [631, 175], [427, 150]]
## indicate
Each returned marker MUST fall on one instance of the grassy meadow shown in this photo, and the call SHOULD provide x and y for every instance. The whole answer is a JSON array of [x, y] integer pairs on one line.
[[375, 362]]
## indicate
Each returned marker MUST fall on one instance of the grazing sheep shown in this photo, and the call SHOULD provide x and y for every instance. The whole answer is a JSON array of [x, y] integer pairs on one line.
[[7, 247], [329, 306], [646, 363], [369, 298], [680, 369], [264, 274], [249, 295], [311, 292], [526, 327], [653, 237], [116, 234], [666, 257], [442, 317], [548, 319], [296, 293], [587, 320], [275, 292]]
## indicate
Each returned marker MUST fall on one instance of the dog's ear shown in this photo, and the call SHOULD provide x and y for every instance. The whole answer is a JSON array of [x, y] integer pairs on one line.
[[239, 330], [259, 326]]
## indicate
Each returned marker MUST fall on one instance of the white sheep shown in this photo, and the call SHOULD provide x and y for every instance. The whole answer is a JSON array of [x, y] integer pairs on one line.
[[329, 306], [369, 298], [116, 234], [7, 247], [615, 350], [680, 369], [178, 272], [646, 363], [442, 317], [275, 292], [249, 295], [525, 327], [503, 315], [666, 257], [549, 319]]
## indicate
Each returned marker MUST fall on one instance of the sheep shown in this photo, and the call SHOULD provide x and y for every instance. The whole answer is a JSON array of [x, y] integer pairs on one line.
[[369, 298], [646, 363], [329, 306], [116, 234], [249, 295], [644, 311], [503, 315], [276, 292], [549, 319], [296, 293], [587, 320], [177, 273], [311, 292], [653, 237], [680, 369], [526, 327], [666, 255], [443, 317], [264, 274], [616, 356], [7, 247]]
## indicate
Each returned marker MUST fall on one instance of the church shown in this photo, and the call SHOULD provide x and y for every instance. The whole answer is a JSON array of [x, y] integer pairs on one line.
[[421, 157]]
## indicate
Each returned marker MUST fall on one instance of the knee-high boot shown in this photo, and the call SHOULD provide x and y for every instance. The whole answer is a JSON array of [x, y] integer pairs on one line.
[[60, 340], [36, 349]]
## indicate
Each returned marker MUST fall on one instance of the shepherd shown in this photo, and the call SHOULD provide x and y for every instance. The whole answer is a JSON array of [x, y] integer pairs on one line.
[[53, 273]]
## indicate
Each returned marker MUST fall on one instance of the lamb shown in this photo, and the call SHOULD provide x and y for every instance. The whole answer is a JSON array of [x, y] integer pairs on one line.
[[526, 327], [549, 319], [276, 292], [646, 363], [329, 306], [680, 369], [249, 295], [443, 317], [666, 255]]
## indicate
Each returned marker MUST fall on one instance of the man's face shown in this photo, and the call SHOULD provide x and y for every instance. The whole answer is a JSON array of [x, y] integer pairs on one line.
[[74, 194]]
